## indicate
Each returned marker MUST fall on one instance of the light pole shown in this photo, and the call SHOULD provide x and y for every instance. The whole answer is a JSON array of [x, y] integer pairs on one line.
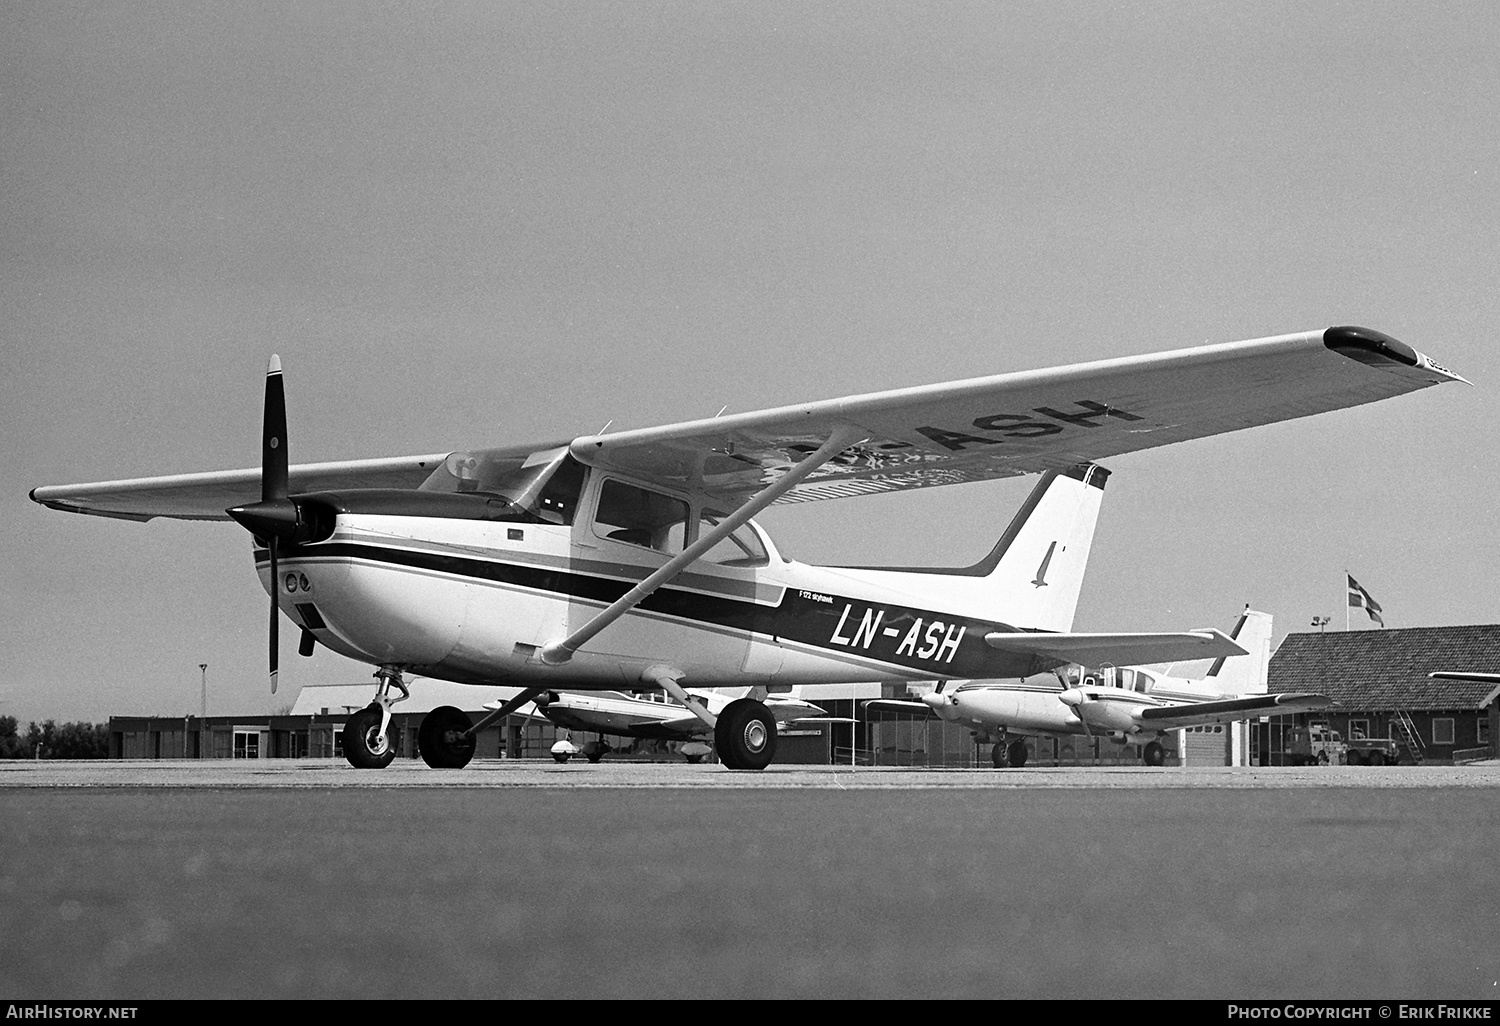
[[1320, 622], [202, 712]]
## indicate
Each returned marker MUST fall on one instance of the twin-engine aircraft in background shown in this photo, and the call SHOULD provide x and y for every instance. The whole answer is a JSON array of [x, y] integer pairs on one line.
[[651, 719], [1126, 704], [630, 560]]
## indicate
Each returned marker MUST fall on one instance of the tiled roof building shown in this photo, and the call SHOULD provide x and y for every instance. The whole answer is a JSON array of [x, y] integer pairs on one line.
[[1377, 675]]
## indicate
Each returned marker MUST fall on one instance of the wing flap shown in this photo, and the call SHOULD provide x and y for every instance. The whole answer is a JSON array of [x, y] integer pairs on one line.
[[1200, 713], [1118, 649]]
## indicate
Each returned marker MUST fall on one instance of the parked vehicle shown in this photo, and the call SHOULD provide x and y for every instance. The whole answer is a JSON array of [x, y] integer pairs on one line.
[[1317, 745], [1372, 751]]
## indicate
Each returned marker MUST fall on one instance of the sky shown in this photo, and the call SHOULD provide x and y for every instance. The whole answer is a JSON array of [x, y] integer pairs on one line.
[[464, 225]]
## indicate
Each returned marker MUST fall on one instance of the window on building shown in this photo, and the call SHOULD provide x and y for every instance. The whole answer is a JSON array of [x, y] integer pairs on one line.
[[1483, 724], [247, 744], [1442, 730]]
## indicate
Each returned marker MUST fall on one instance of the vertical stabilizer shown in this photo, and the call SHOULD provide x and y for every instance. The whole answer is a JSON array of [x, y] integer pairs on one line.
[[1032, 577], [1034, 574], [1246, 674]]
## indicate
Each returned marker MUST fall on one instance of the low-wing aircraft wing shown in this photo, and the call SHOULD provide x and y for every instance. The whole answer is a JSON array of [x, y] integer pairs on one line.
[[1194, 714], [1477, 678], [785, 710], [1096, 649], [899, 705], [977, 429]]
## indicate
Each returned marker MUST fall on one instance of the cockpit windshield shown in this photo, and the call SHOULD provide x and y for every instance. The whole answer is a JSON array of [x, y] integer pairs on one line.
[[540, 488]]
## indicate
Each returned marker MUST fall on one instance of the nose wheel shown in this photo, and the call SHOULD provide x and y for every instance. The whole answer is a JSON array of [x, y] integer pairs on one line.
[[367, 734], [366, 746]]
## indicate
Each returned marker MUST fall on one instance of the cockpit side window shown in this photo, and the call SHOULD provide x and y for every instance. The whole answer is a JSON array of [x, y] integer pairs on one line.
[[640, 517]]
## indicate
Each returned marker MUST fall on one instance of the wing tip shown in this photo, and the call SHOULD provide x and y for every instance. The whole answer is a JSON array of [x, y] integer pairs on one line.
[[1377, 349]]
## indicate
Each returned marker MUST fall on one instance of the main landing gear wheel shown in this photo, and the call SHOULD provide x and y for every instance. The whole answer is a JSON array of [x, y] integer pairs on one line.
[[745, 737], [997, 756], [441, 738], [1016, 754], [1154, 754], [363, 745]]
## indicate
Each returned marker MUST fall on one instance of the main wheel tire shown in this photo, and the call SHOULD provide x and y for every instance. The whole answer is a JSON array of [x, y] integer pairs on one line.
[[745, 736], [440, 738], [997, 756], [1154, 754], [1354, 759], [559, 757], [1016, 754], [363, 745]]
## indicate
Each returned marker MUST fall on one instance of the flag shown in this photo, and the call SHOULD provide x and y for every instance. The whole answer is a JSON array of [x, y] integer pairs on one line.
[[1360, 599]]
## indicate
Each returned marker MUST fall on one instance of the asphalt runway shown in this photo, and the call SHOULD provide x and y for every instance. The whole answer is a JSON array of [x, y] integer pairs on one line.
[[313, 880]]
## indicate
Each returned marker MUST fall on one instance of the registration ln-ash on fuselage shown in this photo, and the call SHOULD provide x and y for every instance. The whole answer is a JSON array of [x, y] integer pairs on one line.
[[629, 561]]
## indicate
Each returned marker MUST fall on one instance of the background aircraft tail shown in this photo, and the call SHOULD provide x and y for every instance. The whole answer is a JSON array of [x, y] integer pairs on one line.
[[1246, 674], [1032, 577]]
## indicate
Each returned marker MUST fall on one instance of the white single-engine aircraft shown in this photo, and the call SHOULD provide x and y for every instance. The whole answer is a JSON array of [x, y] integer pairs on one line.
[[1127, 704], [629, 560], [622, 715]]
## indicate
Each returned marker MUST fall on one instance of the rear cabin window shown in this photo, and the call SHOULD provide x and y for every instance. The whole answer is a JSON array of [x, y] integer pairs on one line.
[[640, 517], [742, 548]]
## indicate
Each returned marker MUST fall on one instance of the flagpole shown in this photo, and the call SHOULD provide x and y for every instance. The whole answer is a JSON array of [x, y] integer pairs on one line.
[[1347, 575]]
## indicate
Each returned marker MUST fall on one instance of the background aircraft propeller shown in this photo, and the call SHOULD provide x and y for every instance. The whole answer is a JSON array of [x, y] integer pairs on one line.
[[1077, 698]]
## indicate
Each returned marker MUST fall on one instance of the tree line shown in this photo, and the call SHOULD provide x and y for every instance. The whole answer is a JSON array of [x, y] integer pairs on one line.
[[68, 741]]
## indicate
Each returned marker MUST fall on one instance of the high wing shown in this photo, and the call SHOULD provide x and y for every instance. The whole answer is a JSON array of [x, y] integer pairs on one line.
[[1194, 714], [1118, 649], [1025, 422], [978, 429], [206, 496]]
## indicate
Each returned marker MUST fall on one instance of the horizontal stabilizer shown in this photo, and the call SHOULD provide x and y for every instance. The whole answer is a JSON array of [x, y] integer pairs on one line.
[[1119, 649], [1195, 713]]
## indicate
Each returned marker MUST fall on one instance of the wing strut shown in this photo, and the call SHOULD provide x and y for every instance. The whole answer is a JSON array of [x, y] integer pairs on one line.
[[666, 678], [505, 709], [560, 650]]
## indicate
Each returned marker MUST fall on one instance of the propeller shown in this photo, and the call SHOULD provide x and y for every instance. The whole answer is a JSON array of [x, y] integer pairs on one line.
[[1077, 698], [276, 517]]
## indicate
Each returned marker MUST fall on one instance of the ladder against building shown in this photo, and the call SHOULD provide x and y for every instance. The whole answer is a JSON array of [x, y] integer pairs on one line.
[[1406, 732]]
